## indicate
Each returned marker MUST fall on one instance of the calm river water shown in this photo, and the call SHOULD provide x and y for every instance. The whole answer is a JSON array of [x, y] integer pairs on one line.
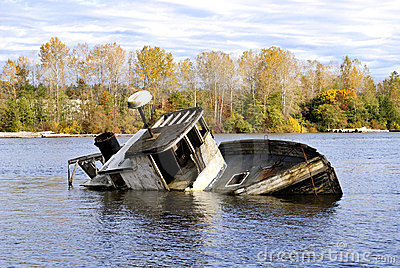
[[42, 223]]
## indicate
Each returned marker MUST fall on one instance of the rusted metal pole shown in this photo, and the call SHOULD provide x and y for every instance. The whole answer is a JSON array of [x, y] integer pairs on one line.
[[145, 122], [143, 117], [71, 178]]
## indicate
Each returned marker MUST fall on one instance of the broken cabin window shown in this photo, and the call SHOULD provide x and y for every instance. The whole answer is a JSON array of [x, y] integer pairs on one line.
[[202, 127], [237, 179], [194, 137]]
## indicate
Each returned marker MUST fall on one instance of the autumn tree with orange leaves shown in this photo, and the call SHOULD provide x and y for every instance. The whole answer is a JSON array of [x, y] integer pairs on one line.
[[83, 89]]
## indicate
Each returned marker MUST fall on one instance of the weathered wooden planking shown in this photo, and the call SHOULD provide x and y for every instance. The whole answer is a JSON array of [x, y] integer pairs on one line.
[[142, 176], [285, 179], [297, 180], [275, 147], [168, 135]]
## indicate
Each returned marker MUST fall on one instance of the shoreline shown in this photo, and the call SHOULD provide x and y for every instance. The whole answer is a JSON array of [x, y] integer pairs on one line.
[[51, 134], [47, 134]]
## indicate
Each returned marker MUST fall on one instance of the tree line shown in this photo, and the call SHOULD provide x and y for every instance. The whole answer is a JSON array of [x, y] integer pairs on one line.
[[84, 90]]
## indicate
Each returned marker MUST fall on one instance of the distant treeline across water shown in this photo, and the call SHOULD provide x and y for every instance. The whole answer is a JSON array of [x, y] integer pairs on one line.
[[83, 89]]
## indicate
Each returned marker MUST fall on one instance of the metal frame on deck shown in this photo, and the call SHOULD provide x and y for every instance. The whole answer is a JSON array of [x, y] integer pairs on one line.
[[87, 163]]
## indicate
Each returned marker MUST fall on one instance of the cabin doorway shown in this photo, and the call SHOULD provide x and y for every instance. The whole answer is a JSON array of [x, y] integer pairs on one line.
[[177, 165]]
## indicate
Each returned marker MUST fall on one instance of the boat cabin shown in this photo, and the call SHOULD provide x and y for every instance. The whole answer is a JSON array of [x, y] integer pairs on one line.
[[178, 152]]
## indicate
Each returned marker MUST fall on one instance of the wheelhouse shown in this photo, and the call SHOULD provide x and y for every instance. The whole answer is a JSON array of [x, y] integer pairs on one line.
[[174, 154]]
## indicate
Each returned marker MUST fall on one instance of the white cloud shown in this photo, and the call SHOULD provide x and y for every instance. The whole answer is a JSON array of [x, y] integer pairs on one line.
[[323, 30]]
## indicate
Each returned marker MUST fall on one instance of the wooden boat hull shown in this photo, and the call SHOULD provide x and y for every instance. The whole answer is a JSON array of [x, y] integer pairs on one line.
[[276, 168]]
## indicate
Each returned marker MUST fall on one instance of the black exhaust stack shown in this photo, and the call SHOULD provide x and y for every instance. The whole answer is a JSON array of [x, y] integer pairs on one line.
[[108, 144]]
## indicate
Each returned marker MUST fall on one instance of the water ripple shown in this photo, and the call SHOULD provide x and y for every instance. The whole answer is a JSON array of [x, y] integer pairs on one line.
[[44, 224]]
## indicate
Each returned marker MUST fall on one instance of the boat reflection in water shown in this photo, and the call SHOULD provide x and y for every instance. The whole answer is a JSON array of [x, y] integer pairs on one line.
[[171, 226]]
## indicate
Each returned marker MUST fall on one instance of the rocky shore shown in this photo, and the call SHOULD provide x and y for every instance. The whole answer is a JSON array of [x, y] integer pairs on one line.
[[358, 130]]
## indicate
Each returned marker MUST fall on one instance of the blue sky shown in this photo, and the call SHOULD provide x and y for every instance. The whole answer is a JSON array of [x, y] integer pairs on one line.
[[316, 30]]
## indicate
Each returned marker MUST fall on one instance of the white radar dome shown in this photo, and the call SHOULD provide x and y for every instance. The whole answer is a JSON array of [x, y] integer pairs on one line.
[[139, 99]]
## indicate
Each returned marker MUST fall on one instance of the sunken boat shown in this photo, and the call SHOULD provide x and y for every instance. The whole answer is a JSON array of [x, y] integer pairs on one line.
[[179, 153]]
